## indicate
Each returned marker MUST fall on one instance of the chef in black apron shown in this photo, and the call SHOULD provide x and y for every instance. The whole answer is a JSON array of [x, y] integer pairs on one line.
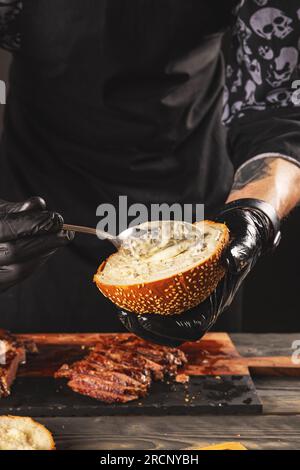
[[118, 97]]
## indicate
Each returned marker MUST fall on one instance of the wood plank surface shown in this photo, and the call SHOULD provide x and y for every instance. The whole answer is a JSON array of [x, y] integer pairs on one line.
[[280, 396], [150, 433], [271, 344], [264, 366]]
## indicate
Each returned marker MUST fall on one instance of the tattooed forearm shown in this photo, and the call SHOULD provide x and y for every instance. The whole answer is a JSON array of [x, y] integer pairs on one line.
[[274, 180], [255, 170]]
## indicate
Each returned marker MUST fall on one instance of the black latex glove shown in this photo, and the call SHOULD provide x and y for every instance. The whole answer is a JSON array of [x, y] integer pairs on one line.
[[29, 235], [250, 232]]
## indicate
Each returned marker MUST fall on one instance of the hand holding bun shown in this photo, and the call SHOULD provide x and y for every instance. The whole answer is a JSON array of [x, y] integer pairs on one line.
[[250, 234]]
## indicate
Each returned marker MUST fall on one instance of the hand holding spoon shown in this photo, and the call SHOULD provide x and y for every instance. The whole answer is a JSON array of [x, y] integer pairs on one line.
[[117, 241]]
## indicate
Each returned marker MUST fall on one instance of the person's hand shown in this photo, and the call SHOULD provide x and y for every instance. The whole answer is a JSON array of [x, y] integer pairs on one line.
[[251, 233], [29, 235]]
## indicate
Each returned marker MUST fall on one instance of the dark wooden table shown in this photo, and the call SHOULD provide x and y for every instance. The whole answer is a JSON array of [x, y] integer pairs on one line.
[[278, 428]]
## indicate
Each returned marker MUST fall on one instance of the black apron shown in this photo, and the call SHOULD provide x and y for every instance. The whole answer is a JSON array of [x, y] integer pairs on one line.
[[109, 98]]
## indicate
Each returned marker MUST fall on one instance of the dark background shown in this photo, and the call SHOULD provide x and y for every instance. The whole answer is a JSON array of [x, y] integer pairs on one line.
[[271, 293]]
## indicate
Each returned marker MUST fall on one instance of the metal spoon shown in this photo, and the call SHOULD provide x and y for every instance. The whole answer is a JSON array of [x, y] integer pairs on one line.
[[130, 238]]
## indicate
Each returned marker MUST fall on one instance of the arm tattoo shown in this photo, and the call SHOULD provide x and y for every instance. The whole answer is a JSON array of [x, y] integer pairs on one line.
[[253, 171]]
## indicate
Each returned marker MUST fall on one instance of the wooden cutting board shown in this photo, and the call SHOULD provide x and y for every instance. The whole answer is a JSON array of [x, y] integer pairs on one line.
[[220, 381]]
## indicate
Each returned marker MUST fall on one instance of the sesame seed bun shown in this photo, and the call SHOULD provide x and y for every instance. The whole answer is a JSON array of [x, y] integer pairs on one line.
[[170, 295], [18, 433]]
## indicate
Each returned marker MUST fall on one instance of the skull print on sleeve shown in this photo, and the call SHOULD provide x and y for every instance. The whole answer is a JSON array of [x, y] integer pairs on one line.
[[9, 24], [261, 108]]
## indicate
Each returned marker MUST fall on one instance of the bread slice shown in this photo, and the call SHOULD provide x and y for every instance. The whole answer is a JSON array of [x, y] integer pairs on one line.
[[17, 433], [172, 280]]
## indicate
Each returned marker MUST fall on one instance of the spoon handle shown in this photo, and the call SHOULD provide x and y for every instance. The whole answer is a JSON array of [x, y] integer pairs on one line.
[[79, 229], [92, 231]]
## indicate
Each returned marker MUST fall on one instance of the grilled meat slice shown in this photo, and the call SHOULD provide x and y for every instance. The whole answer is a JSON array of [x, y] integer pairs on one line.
[[118, 370], [8, 371], [12, 354], [99, 364], [64, 372], [118, 378], [101, 389], [139, 374], [162, 355], [182, 378], [121, 369], [132, 358]]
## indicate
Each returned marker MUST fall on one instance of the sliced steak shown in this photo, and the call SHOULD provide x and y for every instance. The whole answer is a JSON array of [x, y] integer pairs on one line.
[[101, 390], [12, 354], [121, 369], [132, 358], [100, 365]]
